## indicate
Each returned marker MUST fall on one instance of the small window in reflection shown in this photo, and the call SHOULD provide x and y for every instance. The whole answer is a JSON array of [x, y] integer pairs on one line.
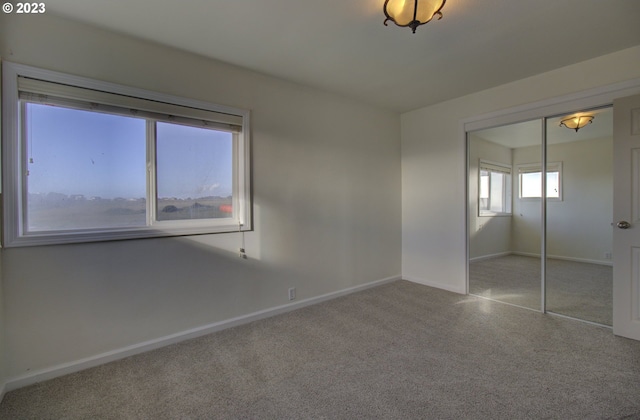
[[494, 196]]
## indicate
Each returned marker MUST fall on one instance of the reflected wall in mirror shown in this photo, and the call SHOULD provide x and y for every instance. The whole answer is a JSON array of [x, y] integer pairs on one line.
[[504, 222], [579, 278]]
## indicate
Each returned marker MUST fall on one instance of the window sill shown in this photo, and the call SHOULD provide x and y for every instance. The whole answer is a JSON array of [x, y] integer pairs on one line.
[[495, 214], [103, 235]]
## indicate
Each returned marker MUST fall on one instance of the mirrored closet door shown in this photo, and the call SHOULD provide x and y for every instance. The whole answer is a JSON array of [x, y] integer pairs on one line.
[[579, 212], [541, 237], [505, 230]]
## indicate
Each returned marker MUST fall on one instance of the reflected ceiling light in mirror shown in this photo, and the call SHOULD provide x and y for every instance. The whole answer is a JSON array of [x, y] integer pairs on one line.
[[412, 13], [577, 122]]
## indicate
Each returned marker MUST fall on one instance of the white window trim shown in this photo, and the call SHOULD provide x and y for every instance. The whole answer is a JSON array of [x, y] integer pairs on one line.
[[13, 160], [537, 167], [503, 167]]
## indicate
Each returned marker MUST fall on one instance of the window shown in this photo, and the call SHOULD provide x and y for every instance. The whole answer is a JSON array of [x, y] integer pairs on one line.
[[530, 181], [86, 161], [494, 189]]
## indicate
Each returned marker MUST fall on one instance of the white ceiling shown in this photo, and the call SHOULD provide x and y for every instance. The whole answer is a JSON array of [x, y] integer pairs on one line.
[[342, 45]]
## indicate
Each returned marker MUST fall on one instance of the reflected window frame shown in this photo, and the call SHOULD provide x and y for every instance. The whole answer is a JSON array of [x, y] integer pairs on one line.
[[487, 191], [536, 168]]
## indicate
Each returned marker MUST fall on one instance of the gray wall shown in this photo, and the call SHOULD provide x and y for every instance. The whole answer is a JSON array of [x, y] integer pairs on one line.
[[326, 188], [3, 377], [579, 226]]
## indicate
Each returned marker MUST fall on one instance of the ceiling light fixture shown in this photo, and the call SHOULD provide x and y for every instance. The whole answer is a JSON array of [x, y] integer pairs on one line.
[[412, 13], [577, 122]]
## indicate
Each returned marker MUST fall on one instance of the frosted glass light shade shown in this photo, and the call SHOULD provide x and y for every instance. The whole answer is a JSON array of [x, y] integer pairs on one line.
[[412, 13], [576, 123]]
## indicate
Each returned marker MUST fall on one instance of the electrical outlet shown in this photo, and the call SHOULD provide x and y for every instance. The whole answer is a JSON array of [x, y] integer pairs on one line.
[[242, 253], [607, 255], [292, 293]]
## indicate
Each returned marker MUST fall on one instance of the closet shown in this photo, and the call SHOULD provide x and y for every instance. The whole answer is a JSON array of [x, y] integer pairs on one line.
[[540, 208]]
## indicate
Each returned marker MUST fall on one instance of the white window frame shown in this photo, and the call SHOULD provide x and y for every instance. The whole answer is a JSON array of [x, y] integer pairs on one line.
[[507, 191], [536, 167], [14, 162]]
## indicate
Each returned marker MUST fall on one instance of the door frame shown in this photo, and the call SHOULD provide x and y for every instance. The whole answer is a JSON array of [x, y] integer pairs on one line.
[[588, 99]]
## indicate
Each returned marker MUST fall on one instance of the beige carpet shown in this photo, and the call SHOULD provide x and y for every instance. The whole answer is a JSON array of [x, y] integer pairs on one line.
[[398, 351], [575, 289]]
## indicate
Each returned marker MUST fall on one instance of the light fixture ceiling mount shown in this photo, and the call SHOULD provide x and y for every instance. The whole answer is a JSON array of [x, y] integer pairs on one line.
[[412, 13], [576, 122]]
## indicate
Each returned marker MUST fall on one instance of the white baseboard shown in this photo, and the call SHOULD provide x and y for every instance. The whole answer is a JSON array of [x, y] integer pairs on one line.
[[560, 257], [461, 289], [489, 256], [582, 260], [110, 356]]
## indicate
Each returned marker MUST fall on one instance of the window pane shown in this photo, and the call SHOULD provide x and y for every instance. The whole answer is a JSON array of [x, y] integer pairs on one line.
[[497, 192], [553, 184], [531, 184], [484, 190], [484, 184], [194, 172], [85, 169]]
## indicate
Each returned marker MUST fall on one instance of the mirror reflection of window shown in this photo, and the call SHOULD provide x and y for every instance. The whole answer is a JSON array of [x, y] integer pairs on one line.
[[505, 252], [530, 181], [494, 196], [504, 230]]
